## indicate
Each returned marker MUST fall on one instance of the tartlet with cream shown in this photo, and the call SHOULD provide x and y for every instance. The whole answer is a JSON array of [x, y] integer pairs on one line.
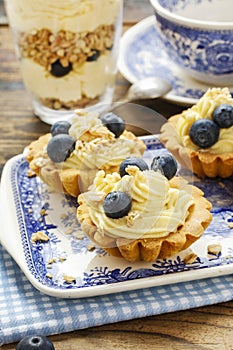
[[154, 217], [91, 146], [210, 160]]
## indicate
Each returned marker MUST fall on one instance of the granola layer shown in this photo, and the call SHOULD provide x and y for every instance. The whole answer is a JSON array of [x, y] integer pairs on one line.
[[45, 47]]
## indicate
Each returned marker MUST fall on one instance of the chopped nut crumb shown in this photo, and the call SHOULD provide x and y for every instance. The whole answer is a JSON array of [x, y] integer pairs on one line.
[[69, 279], [68, 231], [131, 217], [67, 105], [43, 212], [230, 224], [51, 261], [91, 247], [214, 248], [39, 236], [228, 257], [31, 173], [62, 258], [190, 258], [79, 235], [49, 275]]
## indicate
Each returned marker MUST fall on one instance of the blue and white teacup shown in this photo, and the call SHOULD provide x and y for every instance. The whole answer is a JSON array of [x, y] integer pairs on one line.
[[198, 36]]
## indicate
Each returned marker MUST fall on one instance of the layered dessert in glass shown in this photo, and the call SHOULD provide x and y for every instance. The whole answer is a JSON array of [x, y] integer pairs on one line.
[[67, 51]]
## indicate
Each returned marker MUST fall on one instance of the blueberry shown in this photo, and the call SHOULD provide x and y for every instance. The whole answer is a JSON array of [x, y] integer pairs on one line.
[[35, 342], [204, 133], [60, 147], [165, 163], [117, 204], [94, 56], [223, 115], [57, 69], [60, 127], [114, 123], [139, 162]]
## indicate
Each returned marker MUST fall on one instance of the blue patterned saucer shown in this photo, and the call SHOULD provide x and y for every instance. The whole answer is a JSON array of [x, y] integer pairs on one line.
[[68, 265], [142, 55]]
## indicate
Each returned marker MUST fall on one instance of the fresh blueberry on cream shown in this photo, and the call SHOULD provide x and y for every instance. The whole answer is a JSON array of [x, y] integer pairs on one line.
[[204, 133], [60, 127], [223, 115], [117, 204], [114, 123], [60, 147], [165, 163], [139, 162]]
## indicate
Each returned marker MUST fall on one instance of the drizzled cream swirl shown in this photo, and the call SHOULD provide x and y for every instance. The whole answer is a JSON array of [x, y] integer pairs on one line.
[[204, 109], [157, 207]]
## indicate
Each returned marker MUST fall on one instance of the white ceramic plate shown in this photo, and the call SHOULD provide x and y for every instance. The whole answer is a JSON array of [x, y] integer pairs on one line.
[[68, 253], [142, 55]]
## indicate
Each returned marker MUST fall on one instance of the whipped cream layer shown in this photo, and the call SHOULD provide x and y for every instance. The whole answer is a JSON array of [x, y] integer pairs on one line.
[[157, 208], [68, 15], [204, 109], [89, 80]]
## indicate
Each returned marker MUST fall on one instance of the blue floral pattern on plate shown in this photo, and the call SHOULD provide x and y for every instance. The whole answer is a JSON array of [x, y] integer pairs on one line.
[[143, 54], [68, 260]]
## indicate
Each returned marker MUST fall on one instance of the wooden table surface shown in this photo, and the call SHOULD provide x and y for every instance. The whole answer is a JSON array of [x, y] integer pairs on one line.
[[209, 327]]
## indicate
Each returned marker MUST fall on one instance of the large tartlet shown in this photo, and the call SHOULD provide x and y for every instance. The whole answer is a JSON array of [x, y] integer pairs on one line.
[[96, 147], [166, 217], [215, 161]]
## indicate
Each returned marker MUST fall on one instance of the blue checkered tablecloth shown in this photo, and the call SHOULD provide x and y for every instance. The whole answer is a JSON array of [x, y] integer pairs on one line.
[[26, 311]]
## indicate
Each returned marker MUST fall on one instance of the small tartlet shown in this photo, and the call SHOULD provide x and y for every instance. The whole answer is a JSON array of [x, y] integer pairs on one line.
[[166, 216], [96, 147], [215, 161]]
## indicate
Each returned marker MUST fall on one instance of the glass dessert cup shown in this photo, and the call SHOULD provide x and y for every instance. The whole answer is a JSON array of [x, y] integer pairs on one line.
[[67, 53]]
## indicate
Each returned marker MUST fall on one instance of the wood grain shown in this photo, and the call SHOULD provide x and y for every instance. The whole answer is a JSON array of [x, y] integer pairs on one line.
[[3, 18], [206, 328]]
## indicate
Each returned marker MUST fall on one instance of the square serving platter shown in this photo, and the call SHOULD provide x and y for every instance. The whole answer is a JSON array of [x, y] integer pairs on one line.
[[68, 265]]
